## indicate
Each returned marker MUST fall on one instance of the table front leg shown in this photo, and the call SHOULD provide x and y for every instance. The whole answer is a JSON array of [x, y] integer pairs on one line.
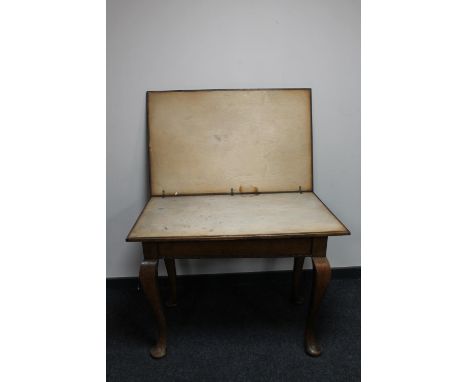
[[149, 283], [322, 276], [171, 274]]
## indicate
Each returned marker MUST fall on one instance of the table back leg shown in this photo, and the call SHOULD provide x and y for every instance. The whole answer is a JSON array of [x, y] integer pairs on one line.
[[297, 296], [171, 274]]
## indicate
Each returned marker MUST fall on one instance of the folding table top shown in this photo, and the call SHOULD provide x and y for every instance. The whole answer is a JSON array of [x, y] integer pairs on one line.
[[231, 164], [209, 141], [238, 216]]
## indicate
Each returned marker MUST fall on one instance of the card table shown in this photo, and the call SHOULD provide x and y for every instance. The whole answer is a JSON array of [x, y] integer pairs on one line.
[[231, 177]]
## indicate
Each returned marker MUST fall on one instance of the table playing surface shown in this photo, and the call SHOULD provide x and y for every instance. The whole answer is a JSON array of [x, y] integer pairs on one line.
[[240, 215]]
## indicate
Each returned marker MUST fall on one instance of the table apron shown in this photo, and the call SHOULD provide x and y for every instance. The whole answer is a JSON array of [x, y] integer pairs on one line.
[[256, 248]]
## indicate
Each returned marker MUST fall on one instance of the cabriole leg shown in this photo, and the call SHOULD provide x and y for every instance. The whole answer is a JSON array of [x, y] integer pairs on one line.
[[322, 276], [149, 283]]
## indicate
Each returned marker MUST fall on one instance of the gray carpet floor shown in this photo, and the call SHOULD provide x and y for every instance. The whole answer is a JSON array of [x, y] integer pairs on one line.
[[239, 327]]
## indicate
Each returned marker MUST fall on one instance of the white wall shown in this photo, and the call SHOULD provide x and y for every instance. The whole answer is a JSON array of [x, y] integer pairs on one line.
[[161, 45]]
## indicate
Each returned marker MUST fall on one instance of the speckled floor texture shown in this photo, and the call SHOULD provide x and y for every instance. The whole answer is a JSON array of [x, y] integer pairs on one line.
[[238, 327]]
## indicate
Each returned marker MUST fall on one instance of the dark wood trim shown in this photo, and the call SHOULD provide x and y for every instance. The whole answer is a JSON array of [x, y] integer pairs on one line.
[[234, 249], [311, 143], [148, 151], [222, 90], [150, 250], [228, 193], [319, 246], [238, 237]]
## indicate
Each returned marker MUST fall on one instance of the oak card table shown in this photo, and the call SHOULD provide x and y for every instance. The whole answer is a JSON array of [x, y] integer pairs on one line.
[[231, 176]]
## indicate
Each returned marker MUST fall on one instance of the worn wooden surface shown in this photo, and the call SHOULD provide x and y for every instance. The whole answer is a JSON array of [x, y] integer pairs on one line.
[[213, 140], [218, 216]]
